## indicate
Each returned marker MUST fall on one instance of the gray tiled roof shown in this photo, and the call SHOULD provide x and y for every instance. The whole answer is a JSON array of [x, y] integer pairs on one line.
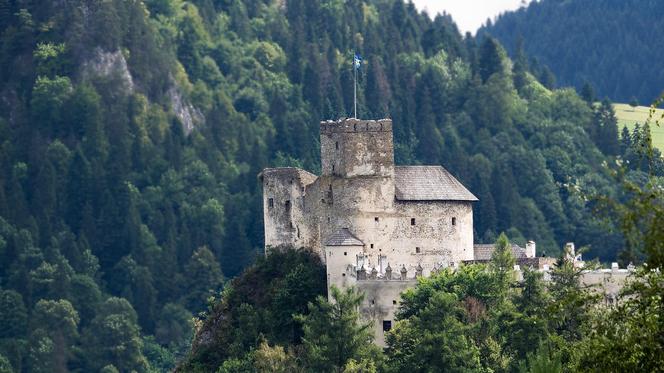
[[484, 251], [343, 237], [429, 183]]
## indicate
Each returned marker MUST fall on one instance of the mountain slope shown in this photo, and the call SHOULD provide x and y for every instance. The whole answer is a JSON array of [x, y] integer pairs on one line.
[[131, 134], [613, 45]]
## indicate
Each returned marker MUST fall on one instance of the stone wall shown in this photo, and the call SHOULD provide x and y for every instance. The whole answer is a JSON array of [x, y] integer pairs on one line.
[[353, 147], [285, 221], [381, 300]]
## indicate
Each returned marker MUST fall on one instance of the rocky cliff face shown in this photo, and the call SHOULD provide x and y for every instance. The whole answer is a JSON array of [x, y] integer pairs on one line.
[[189, 115], [113, 65], [108, 65]]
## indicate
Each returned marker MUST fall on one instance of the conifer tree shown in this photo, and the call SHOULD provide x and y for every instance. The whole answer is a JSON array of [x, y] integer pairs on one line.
[[333, 332]]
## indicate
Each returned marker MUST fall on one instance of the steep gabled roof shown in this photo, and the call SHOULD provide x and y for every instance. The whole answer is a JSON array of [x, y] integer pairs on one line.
[[343, 237], [429, 183]]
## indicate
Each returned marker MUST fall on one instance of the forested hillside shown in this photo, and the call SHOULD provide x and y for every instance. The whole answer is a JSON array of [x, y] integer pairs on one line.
[[612, 45], [131, 134]]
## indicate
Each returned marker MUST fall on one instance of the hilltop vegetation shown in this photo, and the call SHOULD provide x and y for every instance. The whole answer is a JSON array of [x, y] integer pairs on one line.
[[474, 319], [613, 45], [131, 134]]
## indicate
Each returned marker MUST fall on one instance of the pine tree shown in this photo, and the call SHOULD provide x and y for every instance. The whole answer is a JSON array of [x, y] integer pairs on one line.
[[491, 58], [333, 332], [588, 93]]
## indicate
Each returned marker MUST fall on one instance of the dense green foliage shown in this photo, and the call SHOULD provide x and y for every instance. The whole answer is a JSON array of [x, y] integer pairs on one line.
[[606, 43], [116, 214], [474, 319], [258, 306]]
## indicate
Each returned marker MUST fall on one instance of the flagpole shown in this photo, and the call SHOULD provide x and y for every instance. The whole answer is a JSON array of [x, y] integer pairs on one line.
[[354, 87]]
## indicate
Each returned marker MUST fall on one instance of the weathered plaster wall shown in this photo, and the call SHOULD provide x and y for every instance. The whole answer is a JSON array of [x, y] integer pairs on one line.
[[381, 300], [341, 265], [284, 217], [607, 282]]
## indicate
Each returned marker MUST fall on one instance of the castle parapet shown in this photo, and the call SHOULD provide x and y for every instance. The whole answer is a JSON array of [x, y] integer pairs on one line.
[[350, 125]]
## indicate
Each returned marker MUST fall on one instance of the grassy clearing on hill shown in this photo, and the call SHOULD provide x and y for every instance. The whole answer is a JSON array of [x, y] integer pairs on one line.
[[629, 116]]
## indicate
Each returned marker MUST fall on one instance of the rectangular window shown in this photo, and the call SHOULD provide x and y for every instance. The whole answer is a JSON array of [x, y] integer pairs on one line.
[[346, 253], [270, 202], [417, 250], [394, 302], [336, 145], [412, 221], [376, 219], [372, 246], [287, 204], [387, 325], [453, 221]]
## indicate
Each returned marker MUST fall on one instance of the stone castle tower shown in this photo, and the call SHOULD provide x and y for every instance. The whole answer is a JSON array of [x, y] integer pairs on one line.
[[378, 226], [373, 223]]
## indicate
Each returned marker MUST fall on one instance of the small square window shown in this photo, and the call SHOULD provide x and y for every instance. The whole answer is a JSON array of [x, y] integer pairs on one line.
[[270, 202], [345, 253], [394, 302], [343, 275], [376, 219], [417, 250], [453, 221], [387, 325], [412, 221]]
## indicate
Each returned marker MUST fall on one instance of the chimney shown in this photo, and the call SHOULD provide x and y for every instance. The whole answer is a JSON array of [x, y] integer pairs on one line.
[[570, 252], [530, 249]]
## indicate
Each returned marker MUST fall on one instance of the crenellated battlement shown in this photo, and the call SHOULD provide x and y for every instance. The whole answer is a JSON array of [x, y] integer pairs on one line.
[[350, 125]]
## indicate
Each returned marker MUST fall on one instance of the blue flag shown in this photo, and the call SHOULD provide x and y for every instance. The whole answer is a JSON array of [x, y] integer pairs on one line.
[[357, 61]]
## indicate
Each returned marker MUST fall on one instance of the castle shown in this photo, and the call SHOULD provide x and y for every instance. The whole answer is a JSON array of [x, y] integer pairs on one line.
[[376, 226]]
